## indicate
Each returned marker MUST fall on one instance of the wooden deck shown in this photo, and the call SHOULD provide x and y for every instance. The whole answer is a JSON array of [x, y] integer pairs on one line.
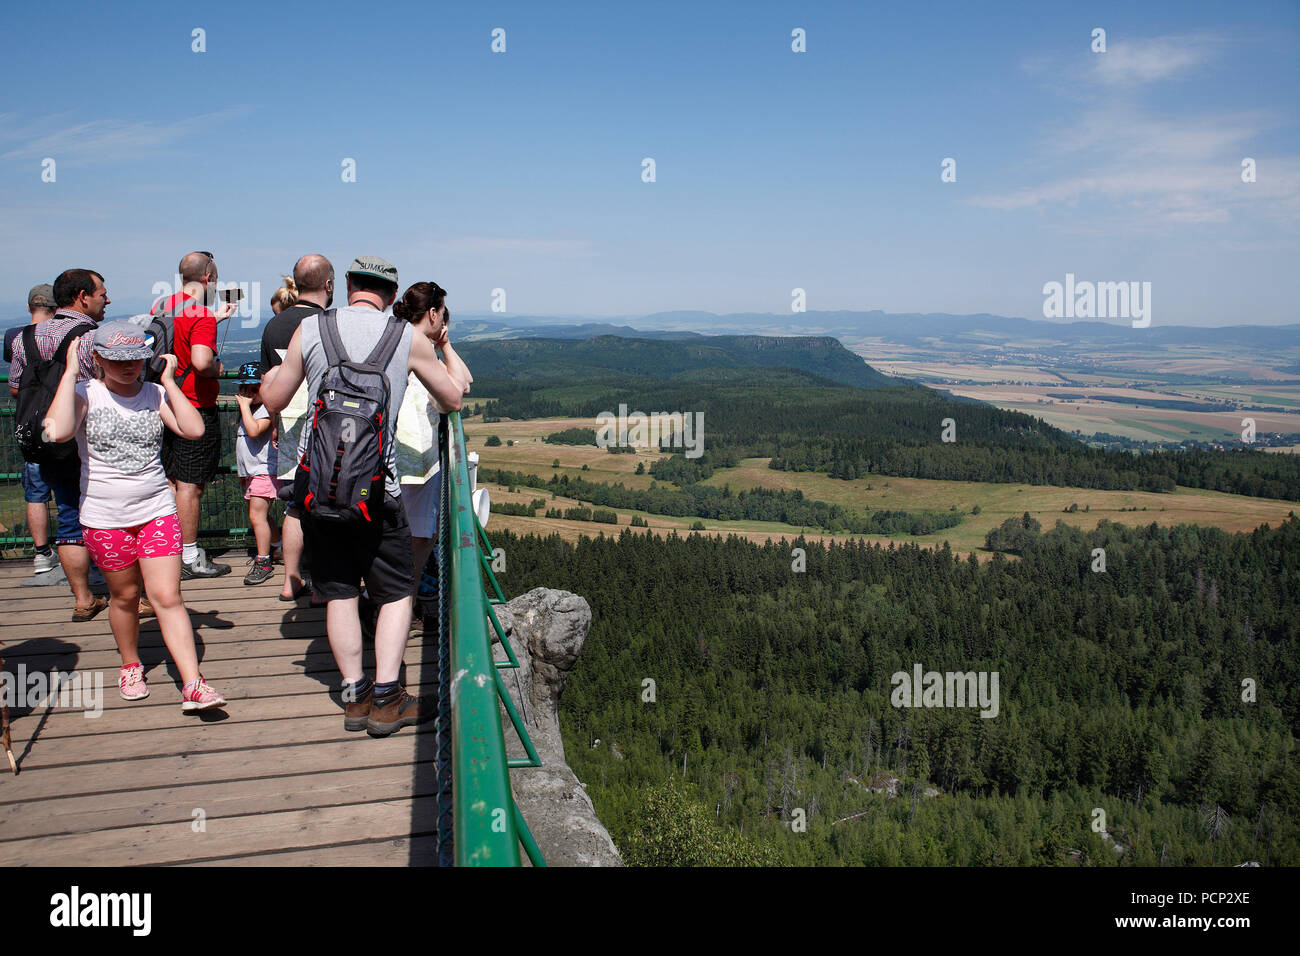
[[274, 779]]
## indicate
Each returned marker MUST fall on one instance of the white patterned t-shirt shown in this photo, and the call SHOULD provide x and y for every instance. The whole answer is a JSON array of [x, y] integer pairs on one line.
[[120, 442]]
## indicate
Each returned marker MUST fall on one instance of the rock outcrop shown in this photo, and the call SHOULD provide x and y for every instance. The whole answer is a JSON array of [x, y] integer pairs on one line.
[[546, 630]]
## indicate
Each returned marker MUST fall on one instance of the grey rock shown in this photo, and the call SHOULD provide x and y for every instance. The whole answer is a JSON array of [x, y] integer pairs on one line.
[[546, 630]]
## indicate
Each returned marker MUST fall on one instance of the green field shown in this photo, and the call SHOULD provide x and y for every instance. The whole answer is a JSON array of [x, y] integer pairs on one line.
[[1047, 503]]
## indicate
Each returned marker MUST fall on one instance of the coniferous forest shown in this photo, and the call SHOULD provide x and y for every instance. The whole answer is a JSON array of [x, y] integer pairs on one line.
[[743, 698]]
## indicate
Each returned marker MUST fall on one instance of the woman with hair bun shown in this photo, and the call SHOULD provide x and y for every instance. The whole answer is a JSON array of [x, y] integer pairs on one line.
[[284, 296], [424, 306]]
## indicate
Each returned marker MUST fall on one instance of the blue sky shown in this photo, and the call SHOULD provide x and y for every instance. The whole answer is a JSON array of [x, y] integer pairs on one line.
[[775, 170]]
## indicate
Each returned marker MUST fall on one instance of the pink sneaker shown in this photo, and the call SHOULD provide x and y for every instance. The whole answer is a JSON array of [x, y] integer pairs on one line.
[[131, 682], [197, 695]]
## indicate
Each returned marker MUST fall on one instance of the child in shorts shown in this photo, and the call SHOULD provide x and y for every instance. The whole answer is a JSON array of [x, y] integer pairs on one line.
[[128, 513], [255, 453]]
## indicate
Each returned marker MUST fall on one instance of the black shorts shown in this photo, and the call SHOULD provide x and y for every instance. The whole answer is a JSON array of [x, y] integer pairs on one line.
[[194, 462], [378, 552]]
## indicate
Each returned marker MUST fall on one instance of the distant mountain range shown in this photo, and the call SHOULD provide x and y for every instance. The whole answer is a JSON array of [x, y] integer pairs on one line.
[[959, 333], [980, 329]]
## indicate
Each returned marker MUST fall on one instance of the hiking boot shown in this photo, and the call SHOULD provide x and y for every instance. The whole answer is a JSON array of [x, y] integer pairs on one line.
[[44, 562], [260, 573], [81, 614], [197, 695], [355, 713], [399, 710], [203, 568]]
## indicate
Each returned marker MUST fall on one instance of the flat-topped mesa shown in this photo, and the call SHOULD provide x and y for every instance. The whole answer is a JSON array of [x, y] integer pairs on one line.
[[547, 629]]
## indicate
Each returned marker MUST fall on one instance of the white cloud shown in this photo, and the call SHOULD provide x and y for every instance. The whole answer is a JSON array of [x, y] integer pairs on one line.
[[1175, 170], [1134, 165], [101, 140], [1134, 62]]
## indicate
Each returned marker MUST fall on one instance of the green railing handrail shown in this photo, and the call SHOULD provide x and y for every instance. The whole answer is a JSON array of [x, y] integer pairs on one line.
[[488, 827]]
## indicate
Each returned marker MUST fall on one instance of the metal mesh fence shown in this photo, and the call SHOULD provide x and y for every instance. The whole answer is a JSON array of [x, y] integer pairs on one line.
[[224, 512], [446, 818]]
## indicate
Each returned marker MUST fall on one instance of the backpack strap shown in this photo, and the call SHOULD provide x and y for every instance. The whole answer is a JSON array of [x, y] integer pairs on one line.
[[61, 353], [329, 338], [380, 357], [29, 347], [177, 308], [388, 342]]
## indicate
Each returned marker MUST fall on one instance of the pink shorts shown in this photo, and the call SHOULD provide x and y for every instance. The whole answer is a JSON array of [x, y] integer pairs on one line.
[[260, 486], [115, 549]]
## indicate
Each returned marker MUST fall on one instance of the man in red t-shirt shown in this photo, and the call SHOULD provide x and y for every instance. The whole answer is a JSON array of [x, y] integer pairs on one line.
[[190, 465]]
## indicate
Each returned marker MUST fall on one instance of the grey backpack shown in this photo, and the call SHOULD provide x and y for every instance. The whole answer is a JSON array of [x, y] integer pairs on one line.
[[160, 334], [341, 475]]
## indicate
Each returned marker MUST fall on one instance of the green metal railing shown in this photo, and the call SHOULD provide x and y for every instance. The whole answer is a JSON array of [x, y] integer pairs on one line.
[[486, 827]]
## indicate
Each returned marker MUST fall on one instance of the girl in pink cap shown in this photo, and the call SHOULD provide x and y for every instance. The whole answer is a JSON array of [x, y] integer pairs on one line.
[[128, 513]]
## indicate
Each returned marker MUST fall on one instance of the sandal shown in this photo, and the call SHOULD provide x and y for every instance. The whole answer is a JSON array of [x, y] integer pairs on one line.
[[305, 589], [81, 614]]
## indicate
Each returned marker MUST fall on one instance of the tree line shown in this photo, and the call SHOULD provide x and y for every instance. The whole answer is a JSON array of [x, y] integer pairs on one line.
[[722, 504]]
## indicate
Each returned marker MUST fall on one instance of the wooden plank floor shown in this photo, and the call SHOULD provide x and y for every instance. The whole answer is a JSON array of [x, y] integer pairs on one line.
[[273, 780]]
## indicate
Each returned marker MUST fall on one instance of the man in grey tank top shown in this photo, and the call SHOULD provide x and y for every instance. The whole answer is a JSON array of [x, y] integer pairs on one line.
[[380, 552]]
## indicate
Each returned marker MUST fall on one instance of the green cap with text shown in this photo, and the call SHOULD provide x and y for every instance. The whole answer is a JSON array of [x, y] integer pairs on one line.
[[374, 267]]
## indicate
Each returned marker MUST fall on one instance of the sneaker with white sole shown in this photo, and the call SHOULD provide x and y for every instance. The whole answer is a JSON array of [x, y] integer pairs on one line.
[[203, 568], [131, 682], [197, 695], [45, 562]]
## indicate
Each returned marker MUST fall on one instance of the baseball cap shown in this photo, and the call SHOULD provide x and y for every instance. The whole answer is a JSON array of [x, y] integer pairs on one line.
[[121, 341], [374, 267], [250, 373], [41, 296]]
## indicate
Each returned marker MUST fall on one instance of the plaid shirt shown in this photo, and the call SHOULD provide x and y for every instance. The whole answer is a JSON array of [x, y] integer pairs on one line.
[[48, 336]]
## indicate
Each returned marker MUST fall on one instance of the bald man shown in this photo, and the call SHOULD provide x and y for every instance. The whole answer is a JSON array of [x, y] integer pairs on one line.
[[314, 276], [191, 465]]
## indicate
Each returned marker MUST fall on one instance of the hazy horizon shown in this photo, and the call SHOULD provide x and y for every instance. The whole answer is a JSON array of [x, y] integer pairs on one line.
[[590, 318]]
